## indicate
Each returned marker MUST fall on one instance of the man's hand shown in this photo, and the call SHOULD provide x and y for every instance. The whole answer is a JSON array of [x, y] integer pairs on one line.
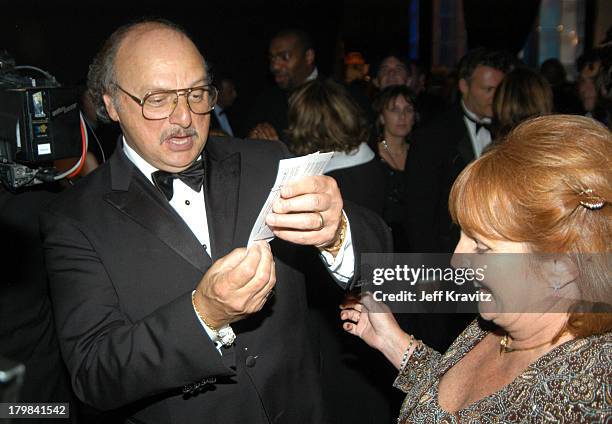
[[308, 212], [236, 285], [264, 131]]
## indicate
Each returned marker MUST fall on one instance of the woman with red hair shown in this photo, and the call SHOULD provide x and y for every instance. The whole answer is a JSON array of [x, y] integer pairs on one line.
[[541, 350]]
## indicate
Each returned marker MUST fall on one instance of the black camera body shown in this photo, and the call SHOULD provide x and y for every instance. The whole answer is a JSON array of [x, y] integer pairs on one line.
[[38, 125]]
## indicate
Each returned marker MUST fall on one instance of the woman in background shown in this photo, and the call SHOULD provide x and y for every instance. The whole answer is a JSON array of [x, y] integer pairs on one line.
[[522, 94], [323, 117], [395, 111]]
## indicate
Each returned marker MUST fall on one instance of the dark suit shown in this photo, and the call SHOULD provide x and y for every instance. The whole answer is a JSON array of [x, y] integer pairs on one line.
[[438, 154], [214, 122], [216, 125], [362, 184], [350, 369], [270, 106], [123, 265]]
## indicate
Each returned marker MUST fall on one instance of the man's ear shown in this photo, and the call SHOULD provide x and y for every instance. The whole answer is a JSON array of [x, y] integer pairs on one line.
[[464, 87], [110, 108], [310, 56]]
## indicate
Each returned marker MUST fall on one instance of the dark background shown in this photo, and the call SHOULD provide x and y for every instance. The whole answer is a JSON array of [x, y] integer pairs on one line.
[[61, 37], [233, 35]]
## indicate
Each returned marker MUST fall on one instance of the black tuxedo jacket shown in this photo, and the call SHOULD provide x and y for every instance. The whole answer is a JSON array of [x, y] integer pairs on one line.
[[438, 154], [123, 265]]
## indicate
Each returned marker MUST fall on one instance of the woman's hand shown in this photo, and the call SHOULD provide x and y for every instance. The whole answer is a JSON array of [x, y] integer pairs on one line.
[[374, 323]]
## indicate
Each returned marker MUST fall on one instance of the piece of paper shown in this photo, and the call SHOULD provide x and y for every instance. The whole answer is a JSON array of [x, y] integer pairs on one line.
[[288, 170]]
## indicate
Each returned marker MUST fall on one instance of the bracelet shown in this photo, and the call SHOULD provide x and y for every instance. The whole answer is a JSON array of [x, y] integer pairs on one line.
[[225, 334], [334, 248], [406, 355], [195, 308]]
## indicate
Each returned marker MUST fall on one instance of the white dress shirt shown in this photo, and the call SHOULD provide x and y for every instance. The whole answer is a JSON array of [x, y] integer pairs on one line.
[[481, 139], [191, 208]]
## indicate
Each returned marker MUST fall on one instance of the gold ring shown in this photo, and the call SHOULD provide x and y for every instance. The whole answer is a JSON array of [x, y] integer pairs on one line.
[[322, 224]]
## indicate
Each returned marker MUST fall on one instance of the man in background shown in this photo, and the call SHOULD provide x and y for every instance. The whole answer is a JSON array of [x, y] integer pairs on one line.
[[443, 148], [220, 121], [292, 63], [439, 152], [589, 68], [392, 70]]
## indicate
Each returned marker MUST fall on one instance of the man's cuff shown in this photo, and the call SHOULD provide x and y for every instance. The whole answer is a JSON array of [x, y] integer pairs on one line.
[[342, 267]]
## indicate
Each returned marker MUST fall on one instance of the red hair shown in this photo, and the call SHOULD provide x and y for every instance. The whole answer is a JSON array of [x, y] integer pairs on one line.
[[534, 187]]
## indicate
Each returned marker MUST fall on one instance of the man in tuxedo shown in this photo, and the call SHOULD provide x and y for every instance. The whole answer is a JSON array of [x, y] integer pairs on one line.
[[441, 150], [292, 63], [438, 153], [162, 315]]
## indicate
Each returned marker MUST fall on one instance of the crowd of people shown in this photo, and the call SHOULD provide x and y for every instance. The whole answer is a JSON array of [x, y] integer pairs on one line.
[[141, 277]]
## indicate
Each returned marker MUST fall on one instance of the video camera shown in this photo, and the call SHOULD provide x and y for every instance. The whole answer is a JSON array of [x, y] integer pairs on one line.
[[40, 122]]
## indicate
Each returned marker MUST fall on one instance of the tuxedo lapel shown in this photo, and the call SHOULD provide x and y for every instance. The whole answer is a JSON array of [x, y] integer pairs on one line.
[[221, 187], [464, 143], [464, 147], [137, 198]]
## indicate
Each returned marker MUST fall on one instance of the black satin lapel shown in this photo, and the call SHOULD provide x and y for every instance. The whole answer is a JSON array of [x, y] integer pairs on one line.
[[221, 187], [147, 207], [465, 149]]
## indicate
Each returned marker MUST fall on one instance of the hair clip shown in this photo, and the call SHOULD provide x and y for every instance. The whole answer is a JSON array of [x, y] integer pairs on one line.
[[590, 200]]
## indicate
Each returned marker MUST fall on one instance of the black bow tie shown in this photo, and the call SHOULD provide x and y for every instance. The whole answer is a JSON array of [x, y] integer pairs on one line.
[[479, 124], [192, 176]]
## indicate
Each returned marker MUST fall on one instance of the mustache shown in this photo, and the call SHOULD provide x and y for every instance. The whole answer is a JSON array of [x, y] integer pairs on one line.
[[177, 132]]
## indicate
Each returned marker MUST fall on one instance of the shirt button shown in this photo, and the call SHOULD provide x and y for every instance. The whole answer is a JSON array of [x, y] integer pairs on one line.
[[187, 202]]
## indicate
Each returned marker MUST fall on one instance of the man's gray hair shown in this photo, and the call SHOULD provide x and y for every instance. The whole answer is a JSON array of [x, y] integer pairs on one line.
[[101, 78]]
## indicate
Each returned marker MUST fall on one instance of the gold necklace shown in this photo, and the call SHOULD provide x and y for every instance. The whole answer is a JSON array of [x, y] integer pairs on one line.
[[504, 345]]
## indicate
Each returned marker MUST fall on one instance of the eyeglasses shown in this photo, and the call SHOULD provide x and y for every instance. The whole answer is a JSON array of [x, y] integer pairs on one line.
[[161, 104]]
